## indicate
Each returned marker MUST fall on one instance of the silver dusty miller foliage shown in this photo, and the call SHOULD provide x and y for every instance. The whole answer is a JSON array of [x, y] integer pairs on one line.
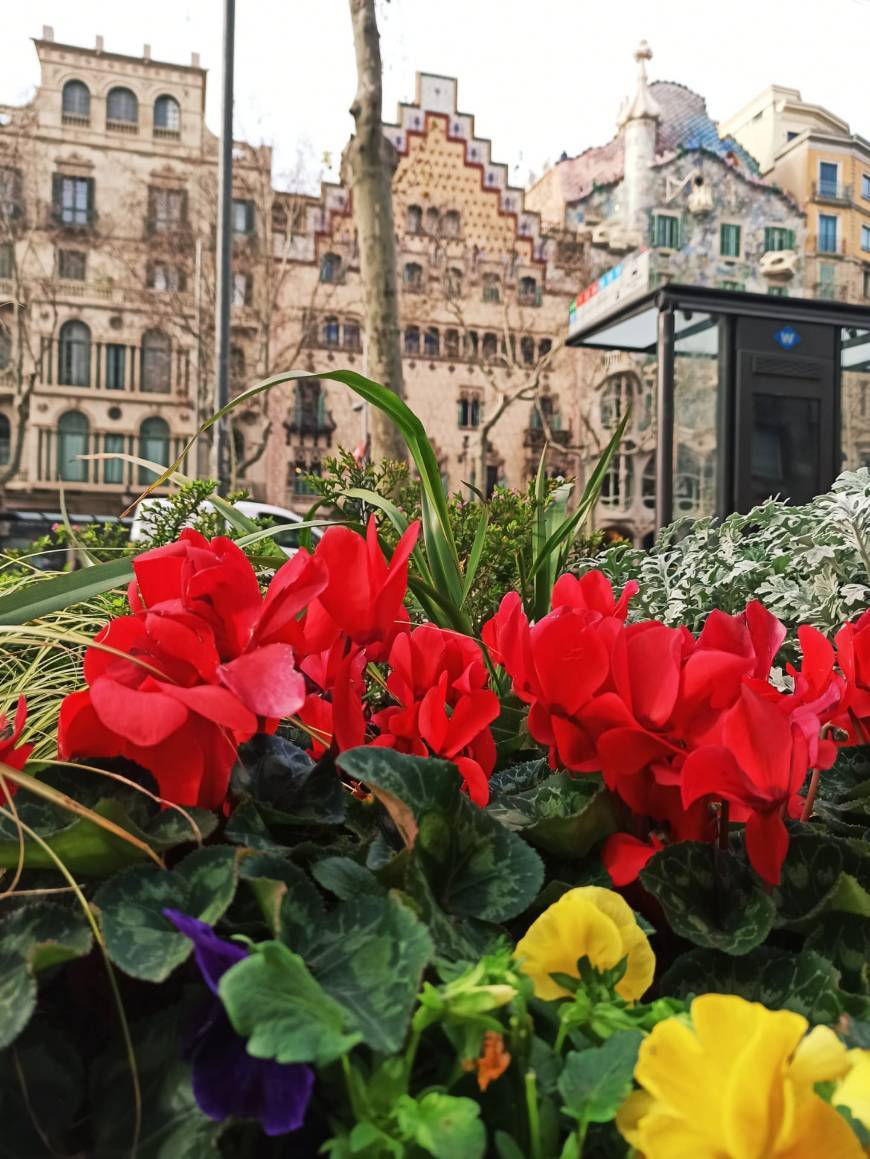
[[808, 565]]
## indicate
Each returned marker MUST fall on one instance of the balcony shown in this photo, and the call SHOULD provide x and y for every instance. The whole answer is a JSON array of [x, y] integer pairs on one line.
[[76, 119], [535, 437], [305, 424], [831, 192], [130, 127], [74, 365]]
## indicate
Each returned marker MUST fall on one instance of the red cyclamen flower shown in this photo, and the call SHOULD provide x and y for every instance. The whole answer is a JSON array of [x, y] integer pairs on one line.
[[445, 707], [12, 754], [199, 667]]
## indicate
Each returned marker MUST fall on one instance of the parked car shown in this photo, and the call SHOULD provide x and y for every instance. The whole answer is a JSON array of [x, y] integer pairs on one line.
[[287, 538]]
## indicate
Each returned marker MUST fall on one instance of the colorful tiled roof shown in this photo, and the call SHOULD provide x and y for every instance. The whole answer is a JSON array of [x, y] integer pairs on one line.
[[684, 124]]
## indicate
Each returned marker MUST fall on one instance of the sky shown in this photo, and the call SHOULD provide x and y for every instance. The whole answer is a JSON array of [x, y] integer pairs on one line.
[[541, 76]]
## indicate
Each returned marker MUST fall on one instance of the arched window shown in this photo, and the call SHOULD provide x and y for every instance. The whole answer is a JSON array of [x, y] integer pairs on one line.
[[451, 343], [544, 347], [72, 441], [450, 223], [156, 362], [432, 343], [5, 440], [352, 336], [414, 219], [490, 344], [616, 486], [167, 114], [491, 288], [471, 344], [5, 349], [432, 219], [527, 351], [330, 268], [453, 282], [153, 445], [528, 291], [412, 340], [617, 395], [75, 355], [122, 107], [76, 101], [412, 276], [331, 331]]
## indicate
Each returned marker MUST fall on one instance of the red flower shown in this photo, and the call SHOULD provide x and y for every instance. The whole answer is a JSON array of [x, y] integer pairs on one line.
[[365, 594], [439, 679], [337, 673], [198, 668], [592, 592], [13, 755], [853, 657], [760, 764], [624, 856]]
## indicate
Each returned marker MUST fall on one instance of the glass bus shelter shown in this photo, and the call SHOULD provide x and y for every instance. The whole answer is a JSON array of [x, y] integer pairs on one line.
[[771, 395]]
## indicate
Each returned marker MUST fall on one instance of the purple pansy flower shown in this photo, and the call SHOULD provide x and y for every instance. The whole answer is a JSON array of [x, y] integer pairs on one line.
[[226, 1079]]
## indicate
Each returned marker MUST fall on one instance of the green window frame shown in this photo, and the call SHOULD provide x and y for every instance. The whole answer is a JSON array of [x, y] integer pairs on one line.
[[665, 231], [777, 238], [729, 240]]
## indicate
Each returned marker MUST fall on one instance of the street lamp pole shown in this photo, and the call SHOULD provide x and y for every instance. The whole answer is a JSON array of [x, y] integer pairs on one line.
[[223, 259]]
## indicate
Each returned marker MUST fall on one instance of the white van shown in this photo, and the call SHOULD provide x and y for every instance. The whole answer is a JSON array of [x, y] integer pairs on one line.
[[287, 538]]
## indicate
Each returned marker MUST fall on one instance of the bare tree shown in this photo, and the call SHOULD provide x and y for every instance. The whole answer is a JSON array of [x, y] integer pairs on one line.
[[370, 162], [28, 274]]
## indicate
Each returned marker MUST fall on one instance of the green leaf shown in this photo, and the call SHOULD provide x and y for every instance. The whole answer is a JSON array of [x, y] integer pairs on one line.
[[38, 935], [844, 938], [443, 1125], [32, 601], [370, 955], [476, 867], [139, 938], [291, 906], [710, 897], [595, 1082], [345, 877], [810, 873], [85, 847], [507, 1147], [287, 786], [172, 1123], [806, 982], [273, 1000], [564, 815]]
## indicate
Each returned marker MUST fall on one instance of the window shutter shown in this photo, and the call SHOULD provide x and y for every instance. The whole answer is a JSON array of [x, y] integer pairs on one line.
[[249, 217], [789, 239], [183, 221], [92, 211], [57, 195], [249, 288]]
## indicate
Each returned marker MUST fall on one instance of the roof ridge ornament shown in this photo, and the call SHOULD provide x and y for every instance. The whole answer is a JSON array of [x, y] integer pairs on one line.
[[642, 104]]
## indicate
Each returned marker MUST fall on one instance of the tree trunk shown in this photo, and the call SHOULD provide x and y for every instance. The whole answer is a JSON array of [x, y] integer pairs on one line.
[[371, 161]]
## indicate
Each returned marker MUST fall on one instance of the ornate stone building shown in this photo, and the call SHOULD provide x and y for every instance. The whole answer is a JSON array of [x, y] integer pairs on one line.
[[668, 199], [484, 300], [107, 212]]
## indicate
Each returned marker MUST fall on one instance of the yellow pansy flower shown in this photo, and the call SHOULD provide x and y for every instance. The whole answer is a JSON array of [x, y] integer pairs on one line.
[[737, 1084], [589, 922], [853, 1091]]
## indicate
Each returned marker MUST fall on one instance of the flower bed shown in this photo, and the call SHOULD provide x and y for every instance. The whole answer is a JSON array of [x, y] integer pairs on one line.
[[338, 880]]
